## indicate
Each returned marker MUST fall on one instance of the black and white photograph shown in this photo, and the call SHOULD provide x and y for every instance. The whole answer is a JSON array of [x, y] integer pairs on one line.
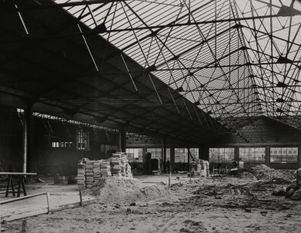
[[150, 116]]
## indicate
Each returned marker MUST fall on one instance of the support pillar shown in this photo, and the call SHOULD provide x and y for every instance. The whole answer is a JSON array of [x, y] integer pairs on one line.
[[26, 137], [299, 156], [164, 154], [122, 140], [204, 153], [236, 153], [188, 155], [267, 156], [172, 158], [144, 151]]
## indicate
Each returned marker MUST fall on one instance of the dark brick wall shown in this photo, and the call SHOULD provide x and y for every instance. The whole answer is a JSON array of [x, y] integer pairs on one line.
[[10, 140], [42, 158], [47, 160]]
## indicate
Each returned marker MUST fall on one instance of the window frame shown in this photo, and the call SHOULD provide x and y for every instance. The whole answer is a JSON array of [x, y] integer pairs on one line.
[[262, 161], [82, 140], [279, 154], [222, 153]]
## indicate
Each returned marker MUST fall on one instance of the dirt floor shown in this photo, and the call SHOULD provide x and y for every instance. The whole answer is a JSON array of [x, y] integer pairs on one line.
[[228, 204]]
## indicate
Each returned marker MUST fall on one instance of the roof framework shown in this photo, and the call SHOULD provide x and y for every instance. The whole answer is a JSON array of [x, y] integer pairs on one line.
[[54, 64], [233, 59], [167, 67]]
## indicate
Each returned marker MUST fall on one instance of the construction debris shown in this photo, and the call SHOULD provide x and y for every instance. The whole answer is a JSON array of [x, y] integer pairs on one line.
[[292, 192], [200, 168], [263, 172], [186, 206]]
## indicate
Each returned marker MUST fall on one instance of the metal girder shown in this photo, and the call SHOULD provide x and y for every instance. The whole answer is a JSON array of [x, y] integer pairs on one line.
[[190, 23], [225, 52]]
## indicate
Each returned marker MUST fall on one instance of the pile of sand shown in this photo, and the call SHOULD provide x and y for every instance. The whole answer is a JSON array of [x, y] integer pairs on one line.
[[125, 190], [263, 172]]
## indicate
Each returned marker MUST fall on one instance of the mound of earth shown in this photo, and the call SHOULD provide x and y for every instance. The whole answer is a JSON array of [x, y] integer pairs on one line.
[[124, 191]]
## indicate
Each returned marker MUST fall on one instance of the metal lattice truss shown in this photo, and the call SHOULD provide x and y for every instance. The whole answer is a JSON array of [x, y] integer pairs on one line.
[[233, 59]]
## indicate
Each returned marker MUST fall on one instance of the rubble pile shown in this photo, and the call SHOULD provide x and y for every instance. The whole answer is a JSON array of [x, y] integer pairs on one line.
[[92, 173], [229, 189], [120, 190], [263, 172], [254, 194], [292, 191]]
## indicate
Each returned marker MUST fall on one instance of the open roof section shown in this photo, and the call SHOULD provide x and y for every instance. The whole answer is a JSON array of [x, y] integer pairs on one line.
[[232, 58], [59, 66]]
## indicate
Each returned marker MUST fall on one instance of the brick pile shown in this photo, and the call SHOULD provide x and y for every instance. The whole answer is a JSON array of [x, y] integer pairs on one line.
[[92, 172], [105, 168], [89, 173], [117, 166], [121, 166], [81, 176], [96, 171]]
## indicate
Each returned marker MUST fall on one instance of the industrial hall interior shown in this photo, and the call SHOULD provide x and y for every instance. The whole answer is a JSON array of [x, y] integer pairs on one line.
[[150, 116]]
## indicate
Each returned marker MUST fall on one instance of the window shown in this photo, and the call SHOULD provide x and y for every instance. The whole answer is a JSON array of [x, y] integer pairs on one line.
[[181, 155], [134, 154], [82, 140], [61, 144], [284, 154], [156, 152], [252, 154], [221, 155]]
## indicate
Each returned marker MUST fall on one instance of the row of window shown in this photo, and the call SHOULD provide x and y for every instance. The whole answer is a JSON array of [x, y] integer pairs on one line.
[[181, 154], [61, 144], [284, 154], [216, 155], [82, 142], [254, 154]]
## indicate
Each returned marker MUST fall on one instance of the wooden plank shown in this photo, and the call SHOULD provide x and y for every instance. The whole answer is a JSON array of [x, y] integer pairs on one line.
[[22, 198], [18, 173], [48, 202], [14, 217]]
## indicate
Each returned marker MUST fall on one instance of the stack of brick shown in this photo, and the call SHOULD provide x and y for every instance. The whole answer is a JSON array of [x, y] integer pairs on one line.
[[116, 165], [121, 166], [128, 172], [81, 176], [89, 173], [96, 171], [105, 168], [123, 162]]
